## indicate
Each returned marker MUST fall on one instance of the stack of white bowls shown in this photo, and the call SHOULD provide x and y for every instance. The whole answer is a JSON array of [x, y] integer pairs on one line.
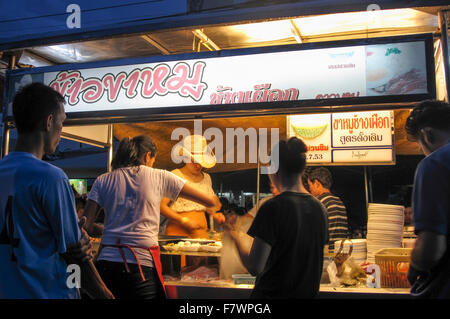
[[359, 252], [384, 228]]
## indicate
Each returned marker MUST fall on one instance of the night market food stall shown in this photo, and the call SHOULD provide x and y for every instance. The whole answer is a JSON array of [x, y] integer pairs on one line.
[[345, 93]]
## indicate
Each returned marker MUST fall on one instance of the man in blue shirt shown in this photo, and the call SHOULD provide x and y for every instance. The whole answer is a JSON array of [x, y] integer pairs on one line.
[[429, 272], [39, 231]]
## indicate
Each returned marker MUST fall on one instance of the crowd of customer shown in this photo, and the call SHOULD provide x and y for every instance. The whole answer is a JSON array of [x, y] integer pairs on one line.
[[44, 224]]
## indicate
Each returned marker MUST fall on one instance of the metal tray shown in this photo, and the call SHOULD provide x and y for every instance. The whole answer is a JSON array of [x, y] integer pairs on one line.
[[171, 239]]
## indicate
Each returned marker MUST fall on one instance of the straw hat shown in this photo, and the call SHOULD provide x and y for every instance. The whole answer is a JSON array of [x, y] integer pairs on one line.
[[195, 148]]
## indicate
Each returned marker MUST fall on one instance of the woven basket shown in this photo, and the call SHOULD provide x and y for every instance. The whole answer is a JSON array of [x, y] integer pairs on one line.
[[394, 265]]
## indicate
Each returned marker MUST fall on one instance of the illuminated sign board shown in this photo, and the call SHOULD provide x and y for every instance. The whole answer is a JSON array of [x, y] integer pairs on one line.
[[354, 138], [218, 81]]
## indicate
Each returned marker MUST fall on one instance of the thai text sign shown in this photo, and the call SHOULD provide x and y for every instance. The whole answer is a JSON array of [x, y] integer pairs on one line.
[[314, 74], [346, 138]]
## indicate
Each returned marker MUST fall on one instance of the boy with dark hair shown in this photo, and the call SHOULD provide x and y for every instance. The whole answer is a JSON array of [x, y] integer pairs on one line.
[[429, 271], [289, 231], [39, 231]]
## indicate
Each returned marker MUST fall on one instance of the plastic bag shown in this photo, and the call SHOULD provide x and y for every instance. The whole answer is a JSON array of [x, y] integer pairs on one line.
[[343, 270]]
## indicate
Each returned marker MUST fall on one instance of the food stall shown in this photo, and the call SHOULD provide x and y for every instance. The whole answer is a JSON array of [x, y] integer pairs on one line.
[[268, 91]]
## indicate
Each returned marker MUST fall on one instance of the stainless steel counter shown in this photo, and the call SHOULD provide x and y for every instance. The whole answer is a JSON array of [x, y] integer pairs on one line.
[[227, 290]]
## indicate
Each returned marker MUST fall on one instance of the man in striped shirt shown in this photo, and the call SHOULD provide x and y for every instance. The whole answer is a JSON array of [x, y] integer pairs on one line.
[[319, 183]]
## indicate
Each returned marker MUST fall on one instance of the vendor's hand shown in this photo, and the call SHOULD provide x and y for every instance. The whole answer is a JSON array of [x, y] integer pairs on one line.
[[189, 224], [219, 217]]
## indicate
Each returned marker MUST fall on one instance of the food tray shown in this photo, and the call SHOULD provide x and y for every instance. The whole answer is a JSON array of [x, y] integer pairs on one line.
[[169, 248], [180, 246], [189, 248], [175, 239], [193, 246], [211, 249], [394, 265]]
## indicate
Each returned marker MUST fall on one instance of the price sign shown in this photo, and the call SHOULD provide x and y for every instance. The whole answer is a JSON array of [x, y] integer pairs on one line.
[[353, 138]]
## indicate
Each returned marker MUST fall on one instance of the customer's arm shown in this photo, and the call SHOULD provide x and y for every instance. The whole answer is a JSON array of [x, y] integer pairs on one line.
[[80, 254], [253, 253], [428, 250], [91, 212], [430, 209], [73, 243], [192, 193], [91, 282], [210, 200]]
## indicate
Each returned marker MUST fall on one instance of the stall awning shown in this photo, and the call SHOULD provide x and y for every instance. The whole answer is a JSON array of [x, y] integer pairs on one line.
[[23, 22]]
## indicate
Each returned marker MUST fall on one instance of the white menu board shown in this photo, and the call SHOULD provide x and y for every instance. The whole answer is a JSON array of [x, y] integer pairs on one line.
[[353, 138], [359, 71]]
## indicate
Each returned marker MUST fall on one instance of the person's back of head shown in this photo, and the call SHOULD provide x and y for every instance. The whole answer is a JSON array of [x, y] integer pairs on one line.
[[292, 160], [434, 114], [429, 125], [323, 175], [33, 104], [131, 151]]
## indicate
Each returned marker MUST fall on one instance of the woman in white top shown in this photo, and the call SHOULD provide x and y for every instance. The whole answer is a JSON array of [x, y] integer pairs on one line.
[[187, 218], [129, 260]]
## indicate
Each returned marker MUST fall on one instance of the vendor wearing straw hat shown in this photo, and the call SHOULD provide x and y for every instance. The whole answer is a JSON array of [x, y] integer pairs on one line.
[[187, 218]]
